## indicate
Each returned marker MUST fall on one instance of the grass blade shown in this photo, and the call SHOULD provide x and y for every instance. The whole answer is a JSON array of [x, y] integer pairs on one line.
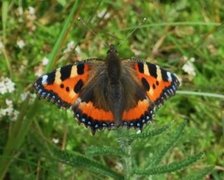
[[170, 167], [62, 36]]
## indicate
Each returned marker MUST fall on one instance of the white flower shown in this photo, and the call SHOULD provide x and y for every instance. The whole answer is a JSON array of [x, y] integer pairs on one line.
[[119, 166], [70, 47], [38, 71], [20, 11], [1, 47], [6, 86], [104, 14], [55, 140], [24, 95], [20, 43], [8, 102], [9, 85], [9, 111], [100, 14], [78, 50], [45, 61], [138, 131], [14, 115], [192, 59], [31, 10], [3, 89], [27, 94], [30, 17], [189, 68], [2, 113]]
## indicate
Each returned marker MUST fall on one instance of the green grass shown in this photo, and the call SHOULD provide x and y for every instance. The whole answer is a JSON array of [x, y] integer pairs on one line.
[[167, 33]]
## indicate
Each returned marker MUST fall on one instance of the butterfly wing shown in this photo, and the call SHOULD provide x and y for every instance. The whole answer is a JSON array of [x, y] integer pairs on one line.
[[63, 85], [80, 86], [92, 106], [157, 85]]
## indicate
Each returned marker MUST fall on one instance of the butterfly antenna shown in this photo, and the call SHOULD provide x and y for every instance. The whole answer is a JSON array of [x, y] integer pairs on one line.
[[88, 28], [132, 31]]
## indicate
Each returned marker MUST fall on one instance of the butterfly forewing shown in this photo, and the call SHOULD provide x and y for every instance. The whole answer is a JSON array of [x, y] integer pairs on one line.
[[63, 85], [159, 84]]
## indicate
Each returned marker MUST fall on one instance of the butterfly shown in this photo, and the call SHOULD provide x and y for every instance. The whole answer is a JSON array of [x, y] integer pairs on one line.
[[109, 93]]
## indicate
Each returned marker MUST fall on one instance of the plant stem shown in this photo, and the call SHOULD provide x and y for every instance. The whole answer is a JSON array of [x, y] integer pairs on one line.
[[125, 146], [221, 96]]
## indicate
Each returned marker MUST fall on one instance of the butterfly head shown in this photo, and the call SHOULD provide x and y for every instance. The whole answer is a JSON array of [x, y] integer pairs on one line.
[[112, 50]]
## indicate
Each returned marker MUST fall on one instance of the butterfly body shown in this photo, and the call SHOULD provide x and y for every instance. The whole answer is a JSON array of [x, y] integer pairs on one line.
[[111, 93]]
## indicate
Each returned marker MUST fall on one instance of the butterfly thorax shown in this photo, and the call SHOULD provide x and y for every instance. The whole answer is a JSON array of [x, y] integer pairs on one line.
[[113, 64]]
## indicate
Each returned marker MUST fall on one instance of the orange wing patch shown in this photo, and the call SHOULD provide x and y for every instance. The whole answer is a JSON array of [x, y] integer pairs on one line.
[[139, 115], [64, 90], [63, 85], [156, 86], [158, 83], [94, 113], [92, 116], [136, 112]]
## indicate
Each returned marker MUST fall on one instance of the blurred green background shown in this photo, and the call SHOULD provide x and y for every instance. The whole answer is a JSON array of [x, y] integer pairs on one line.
[[183, 36]]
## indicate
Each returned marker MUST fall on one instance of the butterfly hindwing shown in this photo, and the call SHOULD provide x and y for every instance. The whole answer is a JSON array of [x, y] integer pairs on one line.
[[92, 106], [92, 116]]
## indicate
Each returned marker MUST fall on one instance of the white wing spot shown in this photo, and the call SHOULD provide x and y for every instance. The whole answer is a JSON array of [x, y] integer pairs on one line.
[[44, 79], [169, 76], [83, 120]]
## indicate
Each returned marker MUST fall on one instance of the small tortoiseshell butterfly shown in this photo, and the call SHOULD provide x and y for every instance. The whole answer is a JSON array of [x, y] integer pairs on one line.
[[111, 93]]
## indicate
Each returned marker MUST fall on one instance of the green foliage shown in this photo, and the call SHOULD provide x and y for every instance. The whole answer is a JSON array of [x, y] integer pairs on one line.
[[79, 161], [62, 37], [104, 150], [39, 141], [175, 166], [200, 174], [126, 153], [170, 142]]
